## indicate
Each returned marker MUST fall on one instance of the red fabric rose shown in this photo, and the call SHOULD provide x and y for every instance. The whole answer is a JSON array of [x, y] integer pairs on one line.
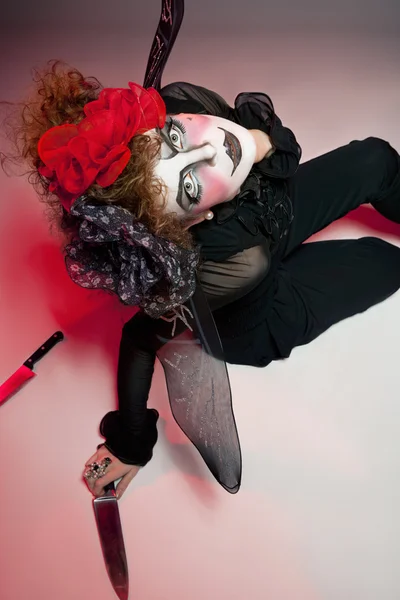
[[95, 150]]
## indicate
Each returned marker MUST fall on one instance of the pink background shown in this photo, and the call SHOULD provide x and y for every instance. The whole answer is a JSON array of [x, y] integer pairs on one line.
[[317, 517]]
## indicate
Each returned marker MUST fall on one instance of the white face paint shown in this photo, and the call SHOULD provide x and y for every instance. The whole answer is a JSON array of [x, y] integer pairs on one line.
[[204, 161]]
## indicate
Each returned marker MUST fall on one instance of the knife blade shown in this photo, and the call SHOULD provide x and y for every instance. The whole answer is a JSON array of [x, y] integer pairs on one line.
[[171, 17], [25, 372], [112, 541]]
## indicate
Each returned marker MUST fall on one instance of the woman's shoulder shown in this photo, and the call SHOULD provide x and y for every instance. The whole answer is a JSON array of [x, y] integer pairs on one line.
[[182, 96]]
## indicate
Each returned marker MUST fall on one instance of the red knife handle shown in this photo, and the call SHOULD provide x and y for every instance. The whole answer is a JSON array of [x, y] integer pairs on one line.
[[58, 336]]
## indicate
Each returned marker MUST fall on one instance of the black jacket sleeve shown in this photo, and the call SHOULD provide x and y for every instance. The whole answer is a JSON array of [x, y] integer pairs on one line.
[[131, 431], [181, 97], [256, 111]]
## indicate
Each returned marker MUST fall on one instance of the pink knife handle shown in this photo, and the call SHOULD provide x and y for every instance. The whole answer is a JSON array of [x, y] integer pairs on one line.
[[14, 382], [25, 372]]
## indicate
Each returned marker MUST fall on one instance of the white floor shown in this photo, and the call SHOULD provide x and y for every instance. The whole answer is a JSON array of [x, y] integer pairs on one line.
[[317, 517]]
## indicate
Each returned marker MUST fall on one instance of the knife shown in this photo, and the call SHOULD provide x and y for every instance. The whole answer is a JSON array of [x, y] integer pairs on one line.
[[112, 541], [25, 372], [106, 507]]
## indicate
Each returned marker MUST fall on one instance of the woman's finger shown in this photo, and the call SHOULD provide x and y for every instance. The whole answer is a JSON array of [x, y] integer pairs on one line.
[[100, 453], [90, 483], [94, 484], [92, 459], [100, 484], [125, 481]]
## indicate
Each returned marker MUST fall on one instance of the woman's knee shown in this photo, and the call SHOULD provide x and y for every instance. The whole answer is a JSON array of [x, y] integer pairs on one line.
[[385, 162], [380, 156]]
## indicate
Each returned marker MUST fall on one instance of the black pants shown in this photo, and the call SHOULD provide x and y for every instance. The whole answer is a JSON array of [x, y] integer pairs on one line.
[[318, 284]]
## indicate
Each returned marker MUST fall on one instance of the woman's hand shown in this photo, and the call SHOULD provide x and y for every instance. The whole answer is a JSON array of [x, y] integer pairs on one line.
[[115, 470], [264, 146]]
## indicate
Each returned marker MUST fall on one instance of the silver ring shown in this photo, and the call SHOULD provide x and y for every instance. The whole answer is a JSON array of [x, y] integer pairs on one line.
[[97, 470]]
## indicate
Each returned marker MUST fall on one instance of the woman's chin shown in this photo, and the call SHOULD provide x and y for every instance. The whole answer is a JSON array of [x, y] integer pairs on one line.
[[232, 196]]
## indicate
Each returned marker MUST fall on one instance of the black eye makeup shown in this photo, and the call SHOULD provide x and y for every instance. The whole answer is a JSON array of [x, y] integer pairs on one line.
[[177, 124], [173, 136], [193, 188], [190, 191], [176, 134]]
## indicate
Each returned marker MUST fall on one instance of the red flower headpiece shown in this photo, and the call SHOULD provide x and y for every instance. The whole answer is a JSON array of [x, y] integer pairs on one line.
[[95, 150]]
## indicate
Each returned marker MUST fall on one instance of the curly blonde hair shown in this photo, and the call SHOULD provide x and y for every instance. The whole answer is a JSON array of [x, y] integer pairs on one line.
[[59, 96]]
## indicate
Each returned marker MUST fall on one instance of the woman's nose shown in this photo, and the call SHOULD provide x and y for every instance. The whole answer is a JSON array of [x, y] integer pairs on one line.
[[213, 159], [207, 152]]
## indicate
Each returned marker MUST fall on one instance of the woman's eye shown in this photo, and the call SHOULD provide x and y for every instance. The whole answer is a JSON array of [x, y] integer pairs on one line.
[[190, 185], [176, 137]]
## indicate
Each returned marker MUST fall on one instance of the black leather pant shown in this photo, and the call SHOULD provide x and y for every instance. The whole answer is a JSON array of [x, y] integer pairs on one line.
[[318, 284]]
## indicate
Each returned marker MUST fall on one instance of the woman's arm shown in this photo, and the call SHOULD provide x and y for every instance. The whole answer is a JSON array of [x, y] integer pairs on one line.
[[131, 431], [256, 111], [264, 146], [253, 110]]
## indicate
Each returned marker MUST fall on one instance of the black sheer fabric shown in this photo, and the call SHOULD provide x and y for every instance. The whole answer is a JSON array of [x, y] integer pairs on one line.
[[236, 247], [195, 371], [256, 111], [225, 282], [200, 395]]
